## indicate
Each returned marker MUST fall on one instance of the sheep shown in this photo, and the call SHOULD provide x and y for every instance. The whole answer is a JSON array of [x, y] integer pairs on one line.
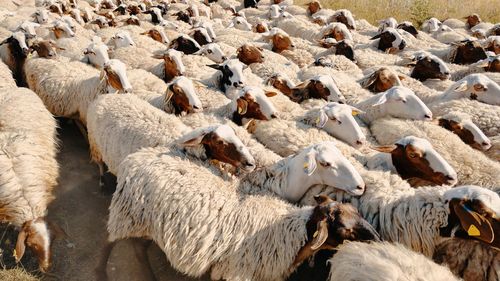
[[471, 167], [472, 260], [448, 35], [390, 40], [220, 258], [461, 125], [13, 52], [414, 159], [391, 262], [381, 80], [431, 25], [398, 101], [29, 171], [299, 28], [107, 114], [97, 53], [68, 88]]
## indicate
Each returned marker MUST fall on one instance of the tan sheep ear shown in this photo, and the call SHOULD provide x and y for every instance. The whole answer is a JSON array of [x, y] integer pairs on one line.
[[310, 164], [20, 245], [368, 81], [320, 235], [102, 75], [270, 94], [194, 141], [385, 148], [242, 106], [474, 223], [321, 120], [401, 77], [169, 94]]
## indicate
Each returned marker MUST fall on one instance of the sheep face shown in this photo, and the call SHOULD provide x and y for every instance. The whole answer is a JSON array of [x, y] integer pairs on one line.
[[116, 74], [283, 84], [28, 28], [321, 163], [172, 63], [381, 80], [157, 35], [134, 10], [97, 54], [56, 9], [479, 87], [232, 74], [281, 42], [250, 3], [431, 25], [416, 160], [390, 41], [313, 7], [249, 54], [261, 28], [214, 52], [41, 16], [252, 103], [429, 67], [468, 52], [121, 10], [45, 49], [318, 87], [133, 20], [344, 48], [330, 224], [17, 45], [221, 143], [402, 102], [345, 17], [337, 120], [201, 36], [37, 235], [69, 21], [122, 39], [494, 45], [385, 23], [183, 16], [474, 214], [185, 44], [240, 23], [182, 95], [408, 27], [468, 132], [338, 31], [274, 11], [61, 29], [473, 20]]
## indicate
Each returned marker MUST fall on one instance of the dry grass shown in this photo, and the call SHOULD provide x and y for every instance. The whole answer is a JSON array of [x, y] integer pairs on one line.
[[415, 10], [16, 274]]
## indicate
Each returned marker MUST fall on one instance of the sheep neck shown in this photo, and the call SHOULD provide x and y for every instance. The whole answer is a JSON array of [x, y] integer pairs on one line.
[[371, 112], [267, 179]]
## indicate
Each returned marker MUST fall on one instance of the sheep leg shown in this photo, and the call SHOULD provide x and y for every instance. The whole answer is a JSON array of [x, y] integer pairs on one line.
[[141, 252], [107, 181], [82, 129], [100, 270]]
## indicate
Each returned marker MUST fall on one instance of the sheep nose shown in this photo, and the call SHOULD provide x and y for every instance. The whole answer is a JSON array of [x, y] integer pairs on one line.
[[26, 51], [273, 116], [196, 107], [427, 116], [341, 102], [249, 164], [127, 91], [358, 142], [224, 58]]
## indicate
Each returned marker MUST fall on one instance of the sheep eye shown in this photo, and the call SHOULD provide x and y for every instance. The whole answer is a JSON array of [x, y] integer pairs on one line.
[[412, 155], [404, 101], [238, 22], [325, 164], [209, 51]]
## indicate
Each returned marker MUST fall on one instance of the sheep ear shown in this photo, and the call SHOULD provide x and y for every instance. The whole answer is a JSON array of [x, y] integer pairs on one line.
[[215, 66], [320, 122], [310, 164], [321, 198], [401, 77], [102, 75], [376, 36], [368, 81], [461, 87], [242, 106], [230, 25], [356, 111], [20, 245], [482, 63], [320, 236], [169, 94], [381, 100], [474, 223], [385, 148], [270, 94], [196, 140]]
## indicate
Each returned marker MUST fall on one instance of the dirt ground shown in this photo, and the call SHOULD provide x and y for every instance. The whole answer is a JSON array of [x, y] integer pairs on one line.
[[81, 210]]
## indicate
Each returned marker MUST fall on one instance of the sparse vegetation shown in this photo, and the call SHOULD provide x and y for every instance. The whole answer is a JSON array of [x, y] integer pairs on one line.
[[16, 274], [416, 10]]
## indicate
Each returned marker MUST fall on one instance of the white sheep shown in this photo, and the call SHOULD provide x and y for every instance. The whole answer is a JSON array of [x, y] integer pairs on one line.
[[29, 170], [67, 88], [210, 242], [7, 81], [384, 261]]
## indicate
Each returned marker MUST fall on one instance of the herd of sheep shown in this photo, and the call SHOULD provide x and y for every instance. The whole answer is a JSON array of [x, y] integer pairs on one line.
[[260, 140]]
